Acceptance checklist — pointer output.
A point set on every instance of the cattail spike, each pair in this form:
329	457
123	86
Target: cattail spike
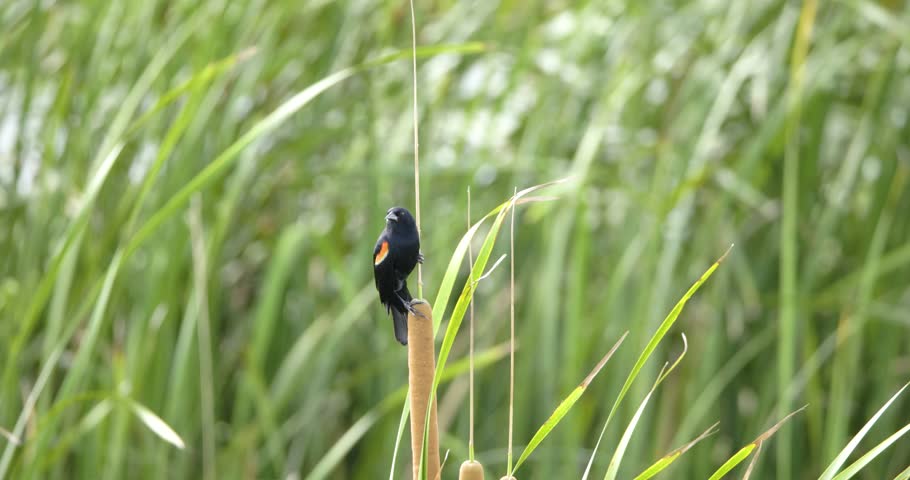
470	470
421	368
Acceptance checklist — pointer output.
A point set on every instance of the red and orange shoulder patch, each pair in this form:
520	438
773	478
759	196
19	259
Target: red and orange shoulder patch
382	253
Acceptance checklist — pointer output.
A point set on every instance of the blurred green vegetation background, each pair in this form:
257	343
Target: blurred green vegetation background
156	253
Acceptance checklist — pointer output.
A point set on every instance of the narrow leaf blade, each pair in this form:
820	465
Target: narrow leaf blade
841	458
158	426
563	408
858	465
649	349
671	457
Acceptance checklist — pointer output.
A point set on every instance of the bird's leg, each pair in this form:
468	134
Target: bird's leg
406	304
419	257
410	307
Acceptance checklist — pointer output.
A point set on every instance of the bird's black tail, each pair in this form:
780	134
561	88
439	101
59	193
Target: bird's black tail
400	320
400	316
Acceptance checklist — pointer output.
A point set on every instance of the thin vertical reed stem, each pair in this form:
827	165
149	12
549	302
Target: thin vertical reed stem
511	328
471	348
416	143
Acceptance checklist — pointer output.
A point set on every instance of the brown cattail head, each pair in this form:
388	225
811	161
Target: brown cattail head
470	471
421	368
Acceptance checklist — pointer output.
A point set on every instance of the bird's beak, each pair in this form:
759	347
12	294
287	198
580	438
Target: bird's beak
391	217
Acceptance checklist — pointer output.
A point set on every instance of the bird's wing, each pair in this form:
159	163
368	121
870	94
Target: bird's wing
380	251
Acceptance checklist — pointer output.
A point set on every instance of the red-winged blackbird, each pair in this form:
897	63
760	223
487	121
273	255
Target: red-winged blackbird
396	254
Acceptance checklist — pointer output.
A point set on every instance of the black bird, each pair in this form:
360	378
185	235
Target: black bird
396	254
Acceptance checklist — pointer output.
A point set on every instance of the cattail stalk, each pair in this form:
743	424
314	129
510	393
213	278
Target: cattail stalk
421	368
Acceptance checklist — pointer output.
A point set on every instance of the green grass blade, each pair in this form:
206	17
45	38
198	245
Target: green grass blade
470	284
451	273
157	426
563	408
613	469
92	420
789	240
720	379
402	424
744	452
200	79
343	445
174	133
844	454
649	349
903	475
732	462
267	312
858	465
27	409
80	367
671	457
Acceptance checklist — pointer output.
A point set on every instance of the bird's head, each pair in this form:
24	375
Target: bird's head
399	218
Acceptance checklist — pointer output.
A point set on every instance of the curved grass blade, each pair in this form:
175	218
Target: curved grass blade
858	465
744	452
903	475
443	466
841	458
649	349
563	408
733	461
344	444
477	272
720	379
402	424
613	469
451	273
671	457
